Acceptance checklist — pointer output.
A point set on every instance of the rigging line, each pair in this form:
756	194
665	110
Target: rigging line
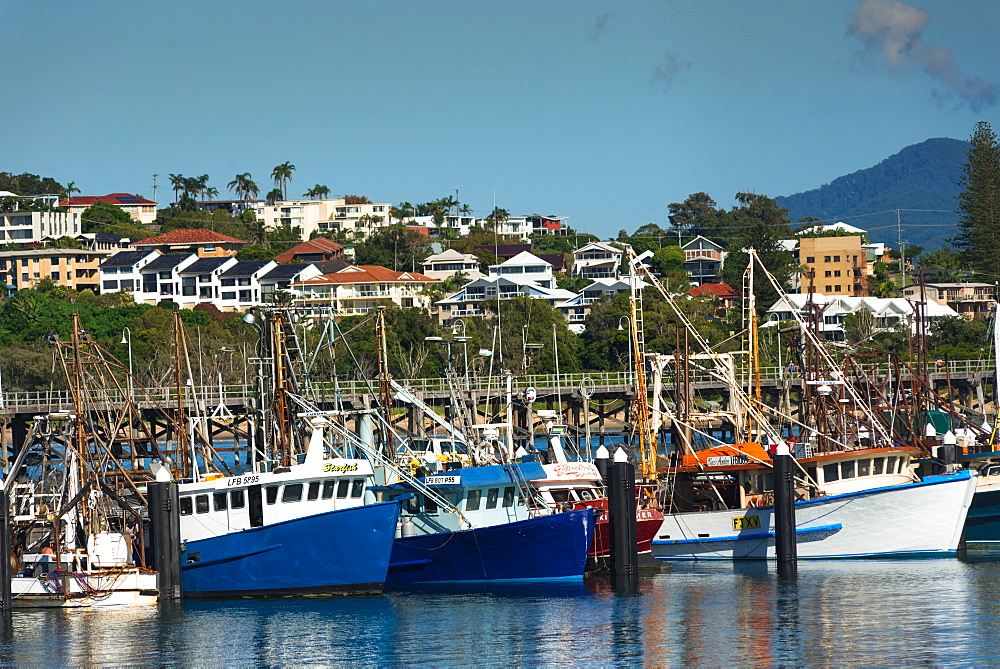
827	358
748	402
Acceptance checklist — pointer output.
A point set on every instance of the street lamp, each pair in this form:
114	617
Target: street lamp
465	349
127	339
443	342
628	377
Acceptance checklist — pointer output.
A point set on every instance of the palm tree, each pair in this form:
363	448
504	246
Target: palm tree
317	192
282	174
211	192
177	183
244	187
274	196
70	189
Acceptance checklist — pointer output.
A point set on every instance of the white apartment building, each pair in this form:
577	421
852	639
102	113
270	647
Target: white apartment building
359	289
525	226
449	263
597	260
325	216
23	227
526	267
120	272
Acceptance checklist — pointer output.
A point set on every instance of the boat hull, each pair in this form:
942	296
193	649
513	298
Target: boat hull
341	552
63	589
922	519
545	548
982	527
647	524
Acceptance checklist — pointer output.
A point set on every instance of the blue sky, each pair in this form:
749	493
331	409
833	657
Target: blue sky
603	112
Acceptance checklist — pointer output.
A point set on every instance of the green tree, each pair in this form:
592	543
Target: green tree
700	215
106	217
978	240
759	224
282	174
396	247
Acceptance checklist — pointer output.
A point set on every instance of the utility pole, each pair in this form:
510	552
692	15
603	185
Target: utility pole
154	186
902	252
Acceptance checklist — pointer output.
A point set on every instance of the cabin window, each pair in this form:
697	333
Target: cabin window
430	506
864	467
413	504
236	500
560	496
328	487
358	488
587	494
201	504
342	486
877	465
811	473
313	491
186	506
220	499
472	500
291	493
491	498
508	497
272	494
847	469
831	473
890	465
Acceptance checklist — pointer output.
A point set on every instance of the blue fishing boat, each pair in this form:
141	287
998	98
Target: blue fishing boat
478	524
308	528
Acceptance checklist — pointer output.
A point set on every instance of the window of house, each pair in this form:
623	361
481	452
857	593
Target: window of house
164	275
836	273
229	295
208	249
829	288
828	274
836	258
836	288
826	258
229	282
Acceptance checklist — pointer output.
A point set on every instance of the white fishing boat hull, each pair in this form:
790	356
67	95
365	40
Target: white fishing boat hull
922	519
61	589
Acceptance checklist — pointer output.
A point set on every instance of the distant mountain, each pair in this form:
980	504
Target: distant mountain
920	177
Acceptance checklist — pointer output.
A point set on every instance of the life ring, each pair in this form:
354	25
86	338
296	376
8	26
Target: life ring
754	501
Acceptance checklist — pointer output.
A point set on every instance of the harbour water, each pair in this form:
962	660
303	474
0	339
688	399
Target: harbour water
928	612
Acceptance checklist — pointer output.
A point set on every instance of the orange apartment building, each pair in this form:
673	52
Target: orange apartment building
73	268
839	265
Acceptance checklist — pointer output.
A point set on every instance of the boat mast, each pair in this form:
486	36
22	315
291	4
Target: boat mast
384	380
640	405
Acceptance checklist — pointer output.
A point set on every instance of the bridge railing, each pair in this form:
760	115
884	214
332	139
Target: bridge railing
212	396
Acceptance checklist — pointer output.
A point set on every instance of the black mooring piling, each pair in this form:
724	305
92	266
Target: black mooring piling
164	521
784	511
622	528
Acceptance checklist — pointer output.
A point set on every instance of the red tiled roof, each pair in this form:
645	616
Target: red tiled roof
717	289
369	274
317	245
188	236
112	198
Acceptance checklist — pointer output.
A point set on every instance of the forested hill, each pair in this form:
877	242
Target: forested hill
922	176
